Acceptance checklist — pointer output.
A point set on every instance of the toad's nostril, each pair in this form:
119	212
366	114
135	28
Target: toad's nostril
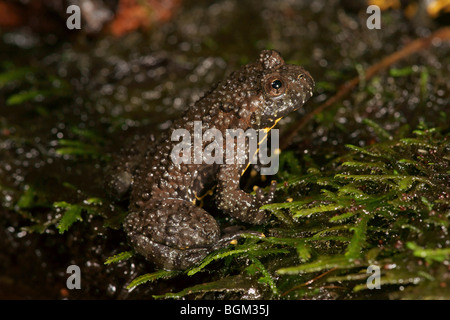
310	83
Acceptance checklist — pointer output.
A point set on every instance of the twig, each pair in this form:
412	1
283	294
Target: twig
309	282
442	34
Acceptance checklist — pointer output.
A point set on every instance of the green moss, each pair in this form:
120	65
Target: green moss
385	205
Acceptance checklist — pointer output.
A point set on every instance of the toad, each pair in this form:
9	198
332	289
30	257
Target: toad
164	223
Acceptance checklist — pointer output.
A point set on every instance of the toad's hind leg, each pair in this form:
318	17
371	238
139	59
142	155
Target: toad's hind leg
174	234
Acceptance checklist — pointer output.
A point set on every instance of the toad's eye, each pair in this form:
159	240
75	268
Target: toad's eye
275	86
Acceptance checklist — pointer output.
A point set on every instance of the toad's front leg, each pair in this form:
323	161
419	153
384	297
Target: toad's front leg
237	203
